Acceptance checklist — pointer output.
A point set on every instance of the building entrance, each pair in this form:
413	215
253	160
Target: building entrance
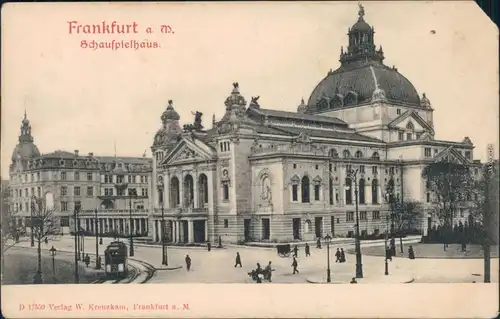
296	228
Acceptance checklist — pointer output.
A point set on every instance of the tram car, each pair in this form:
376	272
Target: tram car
115	260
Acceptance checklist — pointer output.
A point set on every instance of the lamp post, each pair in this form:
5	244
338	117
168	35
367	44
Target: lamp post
386	234
32	235
352	174
164	257
132	193
328	275
53	252
97	261
77	277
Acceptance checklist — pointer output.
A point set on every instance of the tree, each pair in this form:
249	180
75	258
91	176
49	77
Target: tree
449	182
44	225
404	214
7	226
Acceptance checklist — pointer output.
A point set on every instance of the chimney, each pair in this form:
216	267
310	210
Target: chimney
91	154
76	152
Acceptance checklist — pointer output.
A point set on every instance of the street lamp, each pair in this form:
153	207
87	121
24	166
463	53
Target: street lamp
31	221
327	240
352	174
97	261
53	252
164	259
385	246
77	277
132	193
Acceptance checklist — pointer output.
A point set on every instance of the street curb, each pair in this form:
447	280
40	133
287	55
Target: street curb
169	268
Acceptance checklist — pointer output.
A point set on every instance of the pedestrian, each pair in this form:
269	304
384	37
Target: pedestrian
46	240
258	274
411	252
337	256
238	260
388	253
353	280
295	265
188	262
295	251
86	260
269	271
308	250
318	243
342	255
209	246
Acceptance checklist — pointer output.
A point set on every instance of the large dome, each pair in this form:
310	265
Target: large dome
362	76
362	80
25	151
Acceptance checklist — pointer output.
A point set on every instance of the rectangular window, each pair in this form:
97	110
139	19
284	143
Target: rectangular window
417	136
77	176
145	179
132	192
317	166
78	205
64	206
64	191
294	165
467	155
26	192
89	176
349	216
90	191
120	179
376	215
427	152
374	169
401	136
120	192
38	177
63	176
108	192
144	192
225	192
398	111
226	223
362	216
362	168
32	191
295	193
428	197
77	191
130	178
409	136
108	179
391	170
316	192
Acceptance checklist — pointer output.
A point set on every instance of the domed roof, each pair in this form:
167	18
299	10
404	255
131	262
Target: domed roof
25	151
170	113
361	82
362	76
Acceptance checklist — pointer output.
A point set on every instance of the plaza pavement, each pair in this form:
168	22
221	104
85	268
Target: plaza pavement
217	266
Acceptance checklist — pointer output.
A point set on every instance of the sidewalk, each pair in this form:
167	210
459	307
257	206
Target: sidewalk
346	279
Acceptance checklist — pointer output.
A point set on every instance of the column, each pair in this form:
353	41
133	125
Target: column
190	231
206	230
196	190
166	190
174	231
140	226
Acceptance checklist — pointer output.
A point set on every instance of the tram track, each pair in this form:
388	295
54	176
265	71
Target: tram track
136	275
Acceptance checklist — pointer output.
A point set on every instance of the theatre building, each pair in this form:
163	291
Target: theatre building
262	174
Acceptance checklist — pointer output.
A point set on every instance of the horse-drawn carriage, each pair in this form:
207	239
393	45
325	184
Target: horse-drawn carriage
284	250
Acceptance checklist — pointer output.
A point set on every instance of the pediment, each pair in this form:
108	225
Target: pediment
189	150
450	155
411	118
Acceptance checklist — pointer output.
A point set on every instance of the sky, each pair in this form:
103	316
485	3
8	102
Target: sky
77	98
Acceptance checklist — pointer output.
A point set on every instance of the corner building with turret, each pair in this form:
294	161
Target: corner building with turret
260	174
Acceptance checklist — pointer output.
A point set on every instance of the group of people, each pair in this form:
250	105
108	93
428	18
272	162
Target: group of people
259	274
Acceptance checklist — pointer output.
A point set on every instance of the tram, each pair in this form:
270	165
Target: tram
115	260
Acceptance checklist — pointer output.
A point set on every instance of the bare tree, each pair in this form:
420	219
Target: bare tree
44	224
449	183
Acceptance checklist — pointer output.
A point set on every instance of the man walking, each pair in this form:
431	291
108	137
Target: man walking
337	256
342	255
295	265
318	243
188	262
295	251
238	260
308	250
269	271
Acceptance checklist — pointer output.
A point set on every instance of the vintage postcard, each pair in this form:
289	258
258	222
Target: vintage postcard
257	159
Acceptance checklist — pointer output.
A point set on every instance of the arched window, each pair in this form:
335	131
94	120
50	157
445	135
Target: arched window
295	188
376	156
174	192
410	126
188	190
358	154
317	188
346	154
330	190
333	153
305	189
361	186
374	191
348	191
202	190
